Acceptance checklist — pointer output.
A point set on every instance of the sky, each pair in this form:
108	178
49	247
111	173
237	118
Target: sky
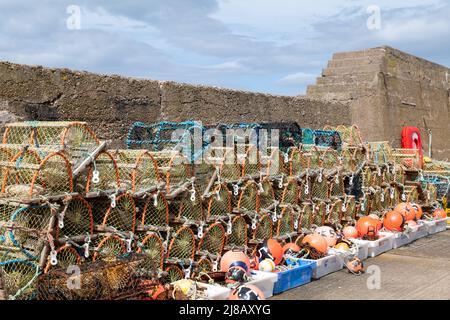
276	47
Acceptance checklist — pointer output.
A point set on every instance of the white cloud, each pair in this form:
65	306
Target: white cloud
297	79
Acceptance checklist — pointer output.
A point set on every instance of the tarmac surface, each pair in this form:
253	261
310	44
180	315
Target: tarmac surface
418	271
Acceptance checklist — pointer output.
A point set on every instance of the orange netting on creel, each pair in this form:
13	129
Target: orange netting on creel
266	194
137	169
252	162
407	158
306	216
26	175
412	193
329	158
349	205
66	256
335	215
108	247
77	220
274	163
285	223
313	153
174	167
204	265
299	162
249	198
191	207
123	216
204	172
152	247
320	188
231	167
348	161
319	213
103	174
219	202
156	211
263	228
174	273
337	187
399	174
213	240
350	136
367	178
182	244
238	236
291	192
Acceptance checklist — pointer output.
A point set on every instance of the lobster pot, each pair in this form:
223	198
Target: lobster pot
399	174
320	188
28	176
6	155
174	168
335	213
313	154
125	277
174	273
107	247
204	265
27	222
376	203
407	158
349	208
348	162
122	216
275	163
75	220
266	194
306	216
219	202
367	178
66	256
379	152
412	194
156	211
336	186
350	136
431	194
204	172
263	228
18	278
394	196
153	248
378	177
99	206
238	236
364	205
284	226
306	189
102	175
75	139
213	240
299	161
182	245
138	171
251	160
329	159
191	207
249	198
320	213
291	192
230	165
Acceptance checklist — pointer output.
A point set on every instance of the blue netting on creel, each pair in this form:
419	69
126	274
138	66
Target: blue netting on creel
322	138
442	183
167	135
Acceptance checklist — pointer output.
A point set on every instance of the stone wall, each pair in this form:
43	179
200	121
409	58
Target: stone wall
110	104
387	89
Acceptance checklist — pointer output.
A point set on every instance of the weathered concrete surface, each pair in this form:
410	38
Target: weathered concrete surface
110	104
417	271
388	89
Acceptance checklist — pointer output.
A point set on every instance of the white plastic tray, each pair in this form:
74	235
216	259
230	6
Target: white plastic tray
327	265
435	226
400	239
216	292
264	281
420	232
377	247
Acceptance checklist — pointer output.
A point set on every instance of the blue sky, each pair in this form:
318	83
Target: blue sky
276	47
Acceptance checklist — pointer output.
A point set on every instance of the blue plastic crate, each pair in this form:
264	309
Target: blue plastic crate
294	277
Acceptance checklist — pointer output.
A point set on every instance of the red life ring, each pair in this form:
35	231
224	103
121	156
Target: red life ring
411	139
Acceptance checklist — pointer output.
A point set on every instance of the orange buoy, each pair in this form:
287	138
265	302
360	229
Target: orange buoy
406	210
247	292
439	214
316	241
270	249
367	226
350	232
418	209
234	258
393	221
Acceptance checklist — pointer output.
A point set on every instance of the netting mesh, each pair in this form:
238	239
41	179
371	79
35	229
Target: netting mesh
329	159
174	273
335	215
204	265
182	244
238	236
213	240
18	277
399	174
349	208
66	256
299	162
231	167
103	174
285	223
152	247
263	228
291	192
320	189
249	197
348	162
173	167
219	203
379	152
408	158
319	214
156	211
266	194
191	207
137	169
77	220
306	217
252	162
337	187
108	247
122	217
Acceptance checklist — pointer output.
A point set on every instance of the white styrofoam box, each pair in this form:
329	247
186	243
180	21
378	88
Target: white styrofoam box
435	226
400	238
264	281
420	231
363	250
215	292
377	247
327	265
